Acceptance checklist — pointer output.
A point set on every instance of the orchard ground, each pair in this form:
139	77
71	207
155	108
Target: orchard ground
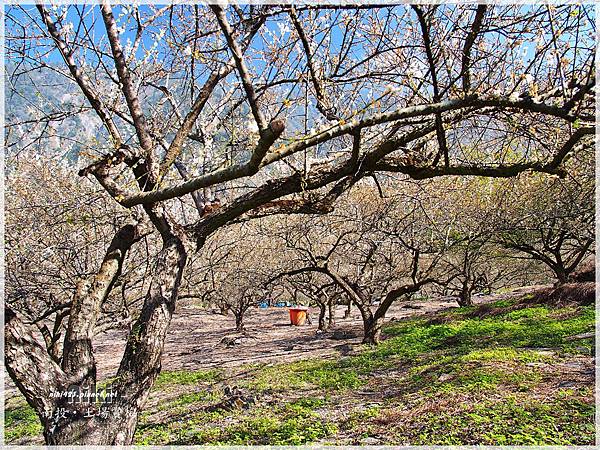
507	371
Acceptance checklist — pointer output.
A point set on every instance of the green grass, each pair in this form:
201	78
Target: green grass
505	354
507	422
465	356
459	381
185	401
327	375
21	421
535	327
292	423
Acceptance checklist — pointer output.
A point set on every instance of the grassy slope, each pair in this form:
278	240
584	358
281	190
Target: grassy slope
460	379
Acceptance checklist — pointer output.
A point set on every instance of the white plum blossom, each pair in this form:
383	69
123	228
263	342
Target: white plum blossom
251	126
415	73
66	29
283	28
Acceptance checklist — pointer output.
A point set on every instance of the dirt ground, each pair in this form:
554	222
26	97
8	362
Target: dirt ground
198	339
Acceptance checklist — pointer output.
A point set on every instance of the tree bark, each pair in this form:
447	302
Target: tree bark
239	321
141	360
464	297
77	358
114	423
29	365
331	319
38	376
562	276
373	322
372	329
322	312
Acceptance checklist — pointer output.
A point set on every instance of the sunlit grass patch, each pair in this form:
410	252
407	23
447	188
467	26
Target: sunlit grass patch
524	328
334	375
187	400
505	354
292	423
504	421
21	421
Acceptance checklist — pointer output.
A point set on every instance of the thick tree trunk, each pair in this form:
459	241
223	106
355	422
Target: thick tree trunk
371	324
372	329
29	365
562	276
239	321
44	383
464	297
322	312
331	319
141	360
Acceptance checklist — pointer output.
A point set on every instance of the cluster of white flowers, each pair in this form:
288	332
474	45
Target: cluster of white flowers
157	38
128	46
66	29
251	125
284	28
391	89
414	72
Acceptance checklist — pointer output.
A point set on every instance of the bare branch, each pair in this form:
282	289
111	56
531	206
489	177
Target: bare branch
131	97
439	125
185	129
322	106
241	66
80	79
469	41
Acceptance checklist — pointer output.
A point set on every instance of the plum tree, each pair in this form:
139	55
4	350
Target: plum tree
269	110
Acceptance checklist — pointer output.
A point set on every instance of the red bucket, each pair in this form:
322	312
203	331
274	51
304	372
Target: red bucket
298	315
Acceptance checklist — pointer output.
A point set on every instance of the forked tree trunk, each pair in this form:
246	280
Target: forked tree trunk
39	378
140	364
371	324
372	329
